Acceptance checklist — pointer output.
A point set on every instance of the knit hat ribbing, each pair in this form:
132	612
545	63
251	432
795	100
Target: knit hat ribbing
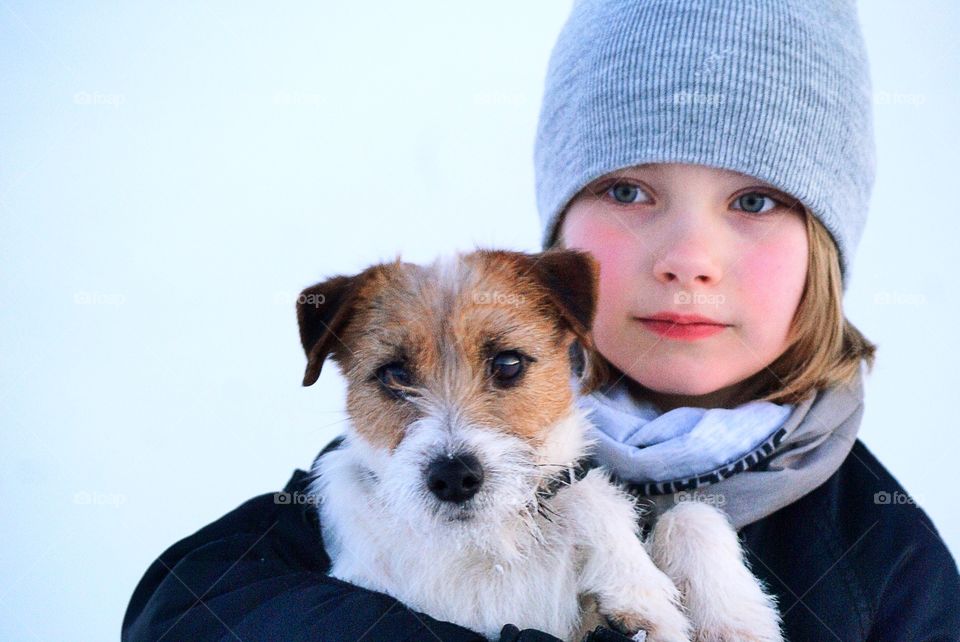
775	89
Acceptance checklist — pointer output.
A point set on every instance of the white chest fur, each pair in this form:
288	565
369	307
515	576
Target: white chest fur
508	575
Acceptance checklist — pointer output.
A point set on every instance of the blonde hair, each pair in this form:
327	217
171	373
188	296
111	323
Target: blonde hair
824	348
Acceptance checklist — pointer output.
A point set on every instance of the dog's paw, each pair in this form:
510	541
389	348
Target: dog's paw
750	620
699	549
734	635
652	609
663	624
743	612
740	612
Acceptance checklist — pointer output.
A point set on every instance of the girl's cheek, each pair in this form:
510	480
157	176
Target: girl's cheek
602	236
616	251
593	230
771	276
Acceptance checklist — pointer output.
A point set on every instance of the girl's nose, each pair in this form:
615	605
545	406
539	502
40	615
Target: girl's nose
689	255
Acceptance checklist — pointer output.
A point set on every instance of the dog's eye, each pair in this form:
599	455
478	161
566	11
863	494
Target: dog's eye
393	376
506	367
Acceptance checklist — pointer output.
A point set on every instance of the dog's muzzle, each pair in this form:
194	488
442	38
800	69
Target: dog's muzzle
454	478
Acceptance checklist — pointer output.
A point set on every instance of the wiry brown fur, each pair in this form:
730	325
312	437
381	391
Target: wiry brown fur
447	327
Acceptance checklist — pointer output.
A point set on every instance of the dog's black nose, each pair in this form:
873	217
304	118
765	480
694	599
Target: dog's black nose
455	479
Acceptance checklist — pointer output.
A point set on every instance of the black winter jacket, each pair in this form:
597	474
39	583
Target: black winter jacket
844	563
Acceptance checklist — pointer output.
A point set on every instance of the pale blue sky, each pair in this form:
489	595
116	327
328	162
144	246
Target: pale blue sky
172	175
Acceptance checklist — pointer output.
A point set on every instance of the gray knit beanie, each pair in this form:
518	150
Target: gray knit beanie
775	89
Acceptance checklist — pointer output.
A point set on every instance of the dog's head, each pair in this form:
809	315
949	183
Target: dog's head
458	374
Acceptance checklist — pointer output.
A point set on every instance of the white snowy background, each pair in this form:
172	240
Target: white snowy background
172	174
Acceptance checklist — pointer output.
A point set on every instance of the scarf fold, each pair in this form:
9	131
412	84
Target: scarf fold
749	461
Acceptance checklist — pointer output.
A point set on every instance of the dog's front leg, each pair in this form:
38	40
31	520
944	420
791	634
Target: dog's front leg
629	589
697	547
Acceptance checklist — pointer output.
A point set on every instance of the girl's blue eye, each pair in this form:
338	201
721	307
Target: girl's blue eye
626	193
755	203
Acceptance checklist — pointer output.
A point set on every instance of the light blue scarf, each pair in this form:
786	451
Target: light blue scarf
755	458
640	445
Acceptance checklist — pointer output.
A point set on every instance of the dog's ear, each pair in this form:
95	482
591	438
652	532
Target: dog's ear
323	311
571	279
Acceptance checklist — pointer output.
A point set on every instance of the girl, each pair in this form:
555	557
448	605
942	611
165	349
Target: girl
717	159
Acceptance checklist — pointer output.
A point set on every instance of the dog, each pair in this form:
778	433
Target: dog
463	486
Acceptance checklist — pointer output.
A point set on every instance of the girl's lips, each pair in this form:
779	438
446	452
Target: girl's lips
674	329
680	318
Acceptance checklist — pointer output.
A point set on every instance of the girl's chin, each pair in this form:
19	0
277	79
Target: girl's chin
666	379
682	389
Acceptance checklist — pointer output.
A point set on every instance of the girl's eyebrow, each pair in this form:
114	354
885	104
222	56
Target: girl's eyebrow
637	169
620	173
654	173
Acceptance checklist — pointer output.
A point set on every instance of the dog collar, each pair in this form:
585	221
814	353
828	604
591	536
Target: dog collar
573	473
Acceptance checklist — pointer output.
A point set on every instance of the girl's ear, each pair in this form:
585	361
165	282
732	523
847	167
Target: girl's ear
323	312
571	280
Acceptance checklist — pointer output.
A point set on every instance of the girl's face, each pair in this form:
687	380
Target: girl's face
676	239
